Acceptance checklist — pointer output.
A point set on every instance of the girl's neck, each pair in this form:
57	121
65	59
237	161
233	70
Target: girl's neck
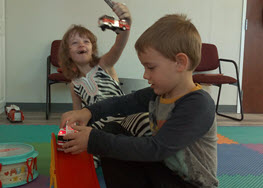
84	69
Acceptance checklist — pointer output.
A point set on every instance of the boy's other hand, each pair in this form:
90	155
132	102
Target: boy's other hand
75	117
78	141
122	11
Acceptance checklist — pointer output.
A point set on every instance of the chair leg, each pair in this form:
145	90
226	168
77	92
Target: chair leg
47	100
240	101
218	98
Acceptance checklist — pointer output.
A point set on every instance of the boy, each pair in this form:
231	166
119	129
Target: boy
182	151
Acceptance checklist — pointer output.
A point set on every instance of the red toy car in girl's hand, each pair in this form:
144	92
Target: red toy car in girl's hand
108	22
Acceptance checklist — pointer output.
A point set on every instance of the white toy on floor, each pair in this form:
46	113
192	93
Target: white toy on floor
14	114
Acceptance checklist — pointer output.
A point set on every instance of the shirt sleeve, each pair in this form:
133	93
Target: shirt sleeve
123	105
192	117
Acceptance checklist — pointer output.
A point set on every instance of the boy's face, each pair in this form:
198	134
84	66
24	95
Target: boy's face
80	49
160	72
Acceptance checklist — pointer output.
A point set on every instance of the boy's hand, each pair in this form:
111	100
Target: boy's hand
78	141
122	11
80	117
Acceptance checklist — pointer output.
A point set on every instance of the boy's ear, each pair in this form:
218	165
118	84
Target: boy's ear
182	61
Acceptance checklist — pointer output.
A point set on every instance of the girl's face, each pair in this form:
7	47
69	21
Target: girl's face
80	49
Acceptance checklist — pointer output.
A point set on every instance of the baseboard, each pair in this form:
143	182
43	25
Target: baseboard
227	108
41	107
64	107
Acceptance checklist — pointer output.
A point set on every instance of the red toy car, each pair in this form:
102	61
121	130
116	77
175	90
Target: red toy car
14	114
62	132
109	22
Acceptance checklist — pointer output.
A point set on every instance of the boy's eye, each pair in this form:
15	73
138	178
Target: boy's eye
87	41
151	67
74	42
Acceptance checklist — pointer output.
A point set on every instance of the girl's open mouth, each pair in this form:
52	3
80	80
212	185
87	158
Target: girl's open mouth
82	52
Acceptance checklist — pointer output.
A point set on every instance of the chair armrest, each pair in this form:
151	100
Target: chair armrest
230	61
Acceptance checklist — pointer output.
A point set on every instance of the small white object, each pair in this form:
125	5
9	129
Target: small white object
11	107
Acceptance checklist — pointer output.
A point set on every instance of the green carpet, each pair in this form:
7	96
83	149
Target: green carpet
39	136
243	134
239	165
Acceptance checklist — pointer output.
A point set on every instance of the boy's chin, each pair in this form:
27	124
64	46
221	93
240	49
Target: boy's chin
158	92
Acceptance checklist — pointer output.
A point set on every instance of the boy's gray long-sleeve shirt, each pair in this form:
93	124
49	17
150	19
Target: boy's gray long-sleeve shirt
189	127
182	129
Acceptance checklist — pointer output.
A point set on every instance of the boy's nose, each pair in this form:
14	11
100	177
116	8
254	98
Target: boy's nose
145	75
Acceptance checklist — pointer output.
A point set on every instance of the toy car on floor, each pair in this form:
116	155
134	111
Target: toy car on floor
14	114
109	22
62	132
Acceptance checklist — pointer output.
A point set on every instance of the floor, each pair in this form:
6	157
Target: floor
38	118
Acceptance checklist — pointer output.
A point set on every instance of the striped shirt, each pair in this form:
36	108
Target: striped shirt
99	85
96	86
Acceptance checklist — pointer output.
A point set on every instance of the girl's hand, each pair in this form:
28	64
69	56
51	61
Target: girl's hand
122	11
75	117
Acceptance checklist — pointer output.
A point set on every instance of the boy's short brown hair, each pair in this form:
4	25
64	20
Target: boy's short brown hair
69	68
170	35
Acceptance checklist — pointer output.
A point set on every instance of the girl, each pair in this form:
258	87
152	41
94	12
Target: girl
95	79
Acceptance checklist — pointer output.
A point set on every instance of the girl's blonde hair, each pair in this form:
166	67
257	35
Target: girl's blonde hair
69	68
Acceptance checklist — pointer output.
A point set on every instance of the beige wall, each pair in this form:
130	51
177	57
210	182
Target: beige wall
2	55
31	25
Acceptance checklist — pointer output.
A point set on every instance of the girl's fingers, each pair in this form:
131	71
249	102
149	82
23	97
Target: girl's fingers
78	128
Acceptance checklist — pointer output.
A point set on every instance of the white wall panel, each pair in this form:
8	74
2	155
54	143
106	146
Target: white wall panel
33	24
2	55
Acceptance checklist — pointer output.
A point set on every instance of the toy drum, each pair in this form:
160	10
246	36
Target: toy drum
18	164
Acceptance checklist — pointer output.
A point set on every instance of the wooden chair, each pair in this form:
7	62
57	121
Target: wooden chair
209	62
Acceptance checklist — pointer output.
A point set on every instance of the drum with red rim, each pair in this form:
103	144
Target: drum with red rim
18	164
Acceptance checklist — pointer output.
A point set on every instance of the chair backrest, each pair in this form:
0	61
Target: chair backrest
130	85
54	52
209	58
